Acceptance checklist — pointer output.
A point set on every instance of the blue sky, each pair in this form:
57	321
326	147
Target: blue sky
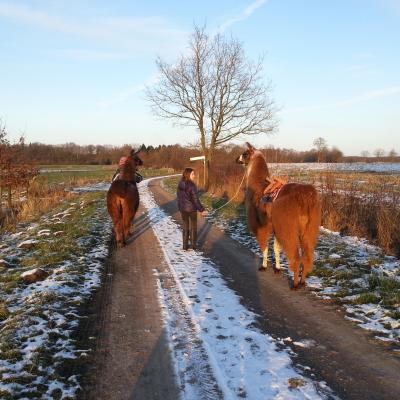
74	71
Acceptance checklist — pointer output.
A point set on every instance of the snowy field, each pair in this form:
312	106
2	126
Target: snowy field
39	324
390	168
213	336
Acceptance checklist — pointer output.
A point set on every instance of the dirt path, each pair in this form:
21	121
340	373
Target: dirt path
133	359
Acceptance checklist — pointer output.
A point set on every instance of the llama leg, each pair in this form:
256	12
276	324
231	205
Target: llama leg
294	264
114	211
277	252
126	219
119	235
265	257
307	261
262	236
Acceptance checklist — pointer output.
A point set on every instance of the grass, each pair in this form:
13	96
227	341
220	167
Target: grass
394	314
69	176
3	310
50	252
73	175
366	298
170	184
388	289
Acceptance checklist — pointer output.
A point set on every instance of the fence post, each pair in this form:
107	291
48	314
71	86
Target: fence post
9	197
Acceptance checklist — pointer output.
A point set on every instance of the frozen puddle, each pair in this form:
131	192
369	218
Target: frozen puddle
216	350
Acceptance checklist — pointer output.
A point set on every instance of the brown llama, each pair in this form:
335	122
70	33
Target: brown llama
294	217
123	199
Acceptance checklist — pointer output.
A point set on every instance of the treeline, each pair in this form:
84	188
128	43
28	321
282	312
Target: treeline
160	156
173	156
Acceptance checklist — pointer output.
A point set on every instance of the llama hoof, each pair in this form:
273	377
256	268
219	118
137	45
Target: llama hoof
262	269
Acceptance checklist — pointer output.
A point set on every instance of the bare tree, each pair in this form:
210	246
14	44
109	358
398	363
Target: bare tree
392	155
215	89
321	145
3	134
379	153
365	153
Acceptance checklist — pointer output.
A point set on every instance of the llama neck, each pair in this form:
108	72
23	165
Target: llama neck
256	173
128	171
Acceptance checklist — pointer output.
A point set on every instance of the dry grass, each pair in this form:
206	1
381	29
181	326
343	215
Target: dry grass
41	199
371	211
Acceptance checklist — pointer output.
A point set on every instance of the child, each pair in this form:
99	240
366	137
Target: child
121	165
189	204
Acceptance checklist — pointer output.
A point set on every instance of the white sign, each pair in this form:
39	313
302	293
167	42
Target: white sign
197	158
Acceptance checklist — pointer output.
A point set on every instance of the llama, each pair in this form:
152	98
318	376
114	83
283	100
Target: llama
294	217
123	199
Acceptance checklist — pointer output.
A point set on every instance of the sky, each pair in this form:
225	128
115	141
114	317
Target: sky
75	70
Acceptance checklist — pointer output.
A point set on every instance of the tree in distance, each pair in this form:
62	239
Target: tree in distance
214	88
322	147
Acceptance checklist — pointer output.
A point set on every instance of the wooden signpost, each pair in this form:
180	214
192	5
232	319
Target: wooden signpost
204	166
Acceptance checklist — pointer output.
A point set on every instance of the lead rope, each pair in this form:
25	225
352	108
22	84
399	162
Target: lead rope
232	198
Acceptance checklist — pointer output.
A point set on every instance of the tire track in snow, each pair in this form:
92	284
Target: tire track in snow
216	350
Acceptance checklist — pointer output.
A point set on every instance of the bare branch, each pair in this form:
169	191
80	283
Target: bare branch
214	88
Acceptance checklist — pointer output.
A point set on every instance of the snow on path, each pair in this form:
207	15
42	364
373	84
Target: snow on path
216	350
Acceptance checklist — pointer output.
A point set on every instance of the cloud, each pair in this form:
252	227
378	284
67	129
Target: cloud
372	95
94	55
246	13
148	33
356	68
121	96
126	93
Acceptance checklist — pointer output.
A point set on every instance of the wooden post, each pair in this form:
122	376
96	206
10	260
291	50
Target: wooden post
9	197
204	167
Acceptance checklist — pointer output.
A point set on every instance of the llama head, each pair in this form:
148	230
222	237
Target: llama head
137	161
245	157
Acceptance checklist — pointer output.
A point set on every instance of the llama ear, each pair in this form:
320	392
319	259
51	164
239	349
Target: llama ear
250	147
133	152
